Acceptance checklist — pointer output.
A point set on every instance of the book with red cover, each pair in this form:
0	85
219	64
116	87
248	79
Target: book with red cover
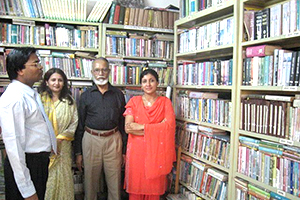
261	50
117	14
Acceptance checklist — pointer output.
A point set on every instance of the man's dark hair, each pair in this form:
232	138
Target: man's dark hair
148	71
65	92
16	59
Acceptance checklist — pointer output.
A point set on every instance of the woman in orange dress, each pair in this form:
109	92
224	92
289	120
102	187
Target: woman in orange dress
150	123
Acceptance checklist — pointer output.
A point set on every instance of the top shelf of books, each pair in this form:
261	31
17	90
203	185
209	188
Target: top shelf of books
205	15
31	20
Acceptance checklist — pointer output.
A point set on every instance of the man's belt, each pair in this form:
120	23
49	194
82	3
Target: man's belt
101	133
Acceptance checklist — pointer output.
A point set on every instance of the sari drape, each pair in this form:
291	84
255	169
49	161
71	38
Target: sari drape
64	119
149	158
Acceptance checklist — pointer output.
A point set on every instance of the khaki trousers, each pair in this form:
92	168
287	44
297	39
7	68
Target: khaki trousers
102	153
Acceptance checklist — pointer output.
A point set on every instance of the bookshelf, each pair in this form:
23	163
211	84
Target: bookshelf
286	39
201	48
59	43
131	48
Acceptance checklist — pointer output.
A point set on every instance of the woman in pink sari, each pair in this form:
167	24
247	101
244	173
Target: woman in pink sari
150	123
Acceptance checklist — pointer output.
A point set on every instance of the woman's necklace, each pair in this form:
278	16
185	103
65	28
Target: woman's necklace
149	103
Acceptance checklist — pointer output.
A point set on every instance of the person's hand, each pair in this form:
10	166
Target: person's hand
59	141
79	162
124	160
136	126
33	197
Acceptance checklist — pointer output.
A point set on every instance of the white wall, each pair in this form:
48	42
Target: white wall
154	3
161	3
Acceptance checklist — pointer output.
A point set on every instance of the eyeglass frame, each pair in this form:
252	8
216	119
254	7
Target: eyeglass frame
104	71
38	64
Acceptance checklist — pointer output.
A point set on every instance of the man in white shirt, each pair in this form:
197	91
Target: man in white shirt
27	134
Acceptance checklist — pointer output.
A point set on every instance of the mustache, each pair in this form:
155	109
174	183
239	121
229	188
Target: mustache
98	77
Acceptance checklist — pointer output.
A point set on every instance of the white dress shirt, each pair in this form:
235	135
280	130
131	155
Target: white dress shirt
24	130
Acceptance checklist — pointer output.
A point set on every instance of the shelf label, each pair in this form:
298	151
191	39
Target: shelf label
282	141
290	142
285	141
296	33
23	22
280	192
290	88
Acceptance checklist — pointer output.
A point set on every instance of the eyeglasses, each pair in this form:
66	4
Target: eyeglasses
34	64
106	70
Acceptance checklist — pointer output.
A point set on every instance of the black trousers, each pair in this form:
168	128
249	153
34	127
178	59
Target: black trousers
37	164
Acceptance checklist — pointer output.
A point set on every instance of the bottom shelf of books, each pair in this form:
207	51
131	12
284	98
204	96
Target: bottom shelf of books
268	164
204	162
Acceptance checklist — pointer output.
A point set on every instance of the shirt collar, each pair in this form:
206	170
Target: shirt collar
95	88
23	87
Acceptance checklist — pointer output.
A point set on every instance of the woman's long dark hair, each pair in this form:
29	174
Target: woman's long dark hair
65	92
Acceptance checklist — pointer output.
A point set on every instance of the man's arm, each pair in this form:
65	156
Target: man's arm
79	132
80	127
121	125
13	133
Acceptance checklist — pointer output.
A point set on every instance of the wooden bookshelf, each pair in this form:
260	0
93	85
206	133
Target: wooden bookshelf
203	54
30	23
229	9
270	138
286	41
43	20
55	48
255	182
206	161
121	57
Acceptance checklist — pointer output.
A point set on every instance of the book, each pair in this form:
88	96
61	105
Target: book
126	16
204	95
265	23
112	12
122	15
116	14
132	16
258	25
261	50
249	24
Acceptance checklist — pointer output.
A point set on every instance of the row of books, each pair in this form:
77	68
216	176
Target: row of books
217	72
156	18
189	7
73	67
210	35
205	143
270	163
204	179
273	66
76	92
205	107
158	46
129	73
75	10
59	35
271	115
2	64
279	19
247	191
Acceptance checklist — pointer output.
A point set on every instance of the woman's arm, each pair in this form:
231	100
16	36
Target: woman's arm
133	128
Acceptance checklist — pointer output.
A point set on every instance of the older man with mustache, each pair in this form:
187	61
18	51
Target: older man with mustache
99	135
